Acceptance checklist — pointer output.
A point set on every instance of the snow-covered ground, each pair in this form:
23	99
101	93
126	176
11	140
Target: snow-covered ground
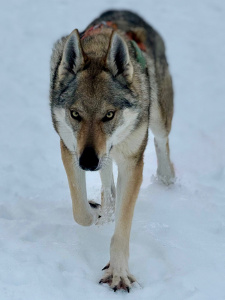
178	233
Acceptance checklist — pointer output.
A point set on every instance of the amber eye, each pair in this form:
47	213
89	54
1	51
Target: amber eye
75	115
109	116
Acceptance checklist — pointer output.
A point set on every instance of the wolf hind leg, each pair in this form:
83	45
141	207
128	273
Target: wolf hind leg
165	170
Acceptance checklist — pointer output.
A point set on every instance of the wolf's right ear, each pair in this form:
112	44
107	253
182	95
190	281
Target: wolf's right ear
118	58
73	57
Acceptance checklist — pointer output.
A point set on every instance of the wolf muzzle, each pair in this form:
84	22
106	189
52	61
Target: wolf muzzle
89	160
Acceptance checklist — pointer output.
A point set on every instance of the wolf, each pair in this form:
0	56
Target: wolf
108	85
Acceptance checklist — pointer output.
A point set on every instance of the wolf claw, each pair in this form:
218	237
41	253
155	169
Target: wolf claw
106	267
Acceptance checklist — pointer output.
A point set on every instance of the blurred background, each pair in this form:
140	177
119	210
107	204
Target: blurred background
179	231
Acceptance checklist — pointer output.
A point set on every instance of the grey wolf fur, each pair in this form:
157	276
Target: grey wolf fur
103	100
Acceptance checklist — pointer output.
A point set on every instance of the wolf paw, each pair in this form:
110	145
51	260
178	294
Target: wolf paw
167	180
117	280
166	176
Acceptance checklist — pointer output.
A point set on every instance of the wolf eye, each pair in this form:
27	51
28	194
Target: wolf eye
75	115
109	116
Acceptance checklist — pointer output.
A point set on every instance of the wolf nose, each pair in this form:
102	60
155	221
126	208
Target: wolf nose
89	160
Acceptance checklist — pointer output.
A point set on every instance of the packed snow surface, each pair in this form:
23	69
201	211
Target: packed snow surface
177	247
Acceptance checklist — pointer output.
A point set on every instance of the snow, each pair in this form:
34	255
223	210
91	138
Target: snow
177	247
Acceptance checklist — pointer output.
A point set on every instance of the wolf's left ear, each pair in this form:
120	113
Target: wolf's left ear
73	57
118	58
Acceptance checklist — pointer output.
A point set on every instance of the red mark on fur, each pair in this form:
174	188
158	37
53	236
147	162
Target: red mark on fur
96	29
132	36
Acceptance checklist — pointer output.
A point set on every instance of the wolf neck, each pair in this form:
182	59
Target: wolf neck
96	29
95	42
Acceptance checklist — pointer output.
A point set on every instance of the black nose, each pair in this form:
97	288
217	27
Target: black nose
89	160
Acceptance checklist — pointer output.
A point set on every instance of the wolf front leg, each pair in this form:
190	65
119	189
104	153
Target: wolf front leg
117	273
82	212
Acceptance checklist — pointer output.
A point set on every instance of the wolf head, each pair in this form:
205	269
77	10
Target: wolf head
94	102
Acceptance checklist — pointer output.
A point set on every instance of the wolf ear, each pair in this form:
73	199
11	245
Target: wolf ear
73	57
118	59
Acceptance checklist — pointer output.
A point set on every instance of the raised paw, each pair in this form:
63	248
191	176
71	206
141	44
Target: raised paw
117	280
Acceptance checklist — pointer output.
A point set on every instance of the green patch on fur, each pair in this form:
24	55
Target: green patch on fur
139	55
